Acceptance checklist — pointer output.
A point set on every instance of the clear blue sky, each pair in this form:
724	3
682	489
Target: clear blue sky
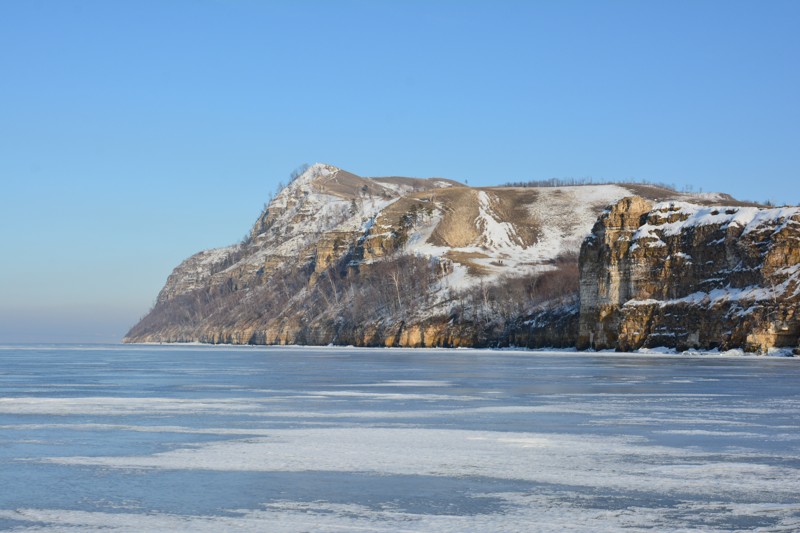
135	133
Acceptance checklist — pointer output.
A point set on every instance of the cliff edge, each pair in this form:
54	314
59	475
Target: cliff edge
687	276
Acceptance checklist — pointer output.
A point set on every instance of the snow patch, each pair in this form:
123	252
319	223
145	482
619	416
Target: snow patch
571	459
496	234
691	215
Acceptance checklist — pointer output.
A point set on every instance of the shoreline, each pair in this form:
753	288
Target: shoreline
782	353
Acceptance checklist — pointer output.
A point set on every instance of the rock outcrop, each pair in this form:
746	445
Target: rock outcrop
687	276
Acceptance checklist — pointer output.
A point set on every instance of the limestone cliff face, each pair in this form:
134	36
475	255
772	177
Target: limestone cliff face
686	276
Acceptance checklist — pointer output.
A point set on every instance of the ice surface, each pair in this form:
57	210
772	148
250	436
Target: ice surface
328	439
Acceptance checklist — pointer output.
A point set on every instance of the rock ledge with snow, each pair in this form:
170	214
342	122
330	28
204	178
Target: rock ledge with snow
687	276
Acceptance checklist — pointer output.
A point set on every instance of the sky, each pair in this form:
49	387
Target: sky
135	133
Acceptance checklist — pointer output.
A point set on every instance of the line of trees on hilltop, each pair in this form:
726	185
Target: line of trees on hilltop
572	182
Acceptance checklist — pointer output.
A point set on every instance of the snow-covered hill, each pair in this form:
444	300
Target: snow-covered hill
336	257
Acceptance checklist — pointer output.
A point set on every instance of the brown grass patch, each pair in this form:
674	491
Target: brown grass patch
465	258
390	217
346	185
457	228
418	184
661	194
512	206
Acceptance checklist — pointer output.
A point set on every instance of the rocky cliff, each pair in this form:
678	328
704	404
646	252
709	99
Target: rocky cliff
339	258
686	276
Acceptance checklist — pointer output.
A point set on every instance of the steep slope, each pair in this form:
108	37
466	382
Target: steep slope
337	258
687	276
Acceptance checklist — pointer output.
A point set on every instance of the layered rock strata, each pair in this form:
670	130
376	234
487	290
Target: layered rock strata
687	276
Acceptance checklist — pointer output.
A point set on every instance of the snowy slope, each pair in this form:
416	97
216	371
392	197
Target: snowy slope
503	231
562	217
489	232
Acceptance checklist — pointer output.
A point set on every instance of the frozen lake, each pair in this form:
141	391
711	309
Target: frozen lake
196	438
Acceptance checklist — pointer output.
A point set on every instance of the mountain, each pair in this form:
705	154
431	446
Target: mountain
338	258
